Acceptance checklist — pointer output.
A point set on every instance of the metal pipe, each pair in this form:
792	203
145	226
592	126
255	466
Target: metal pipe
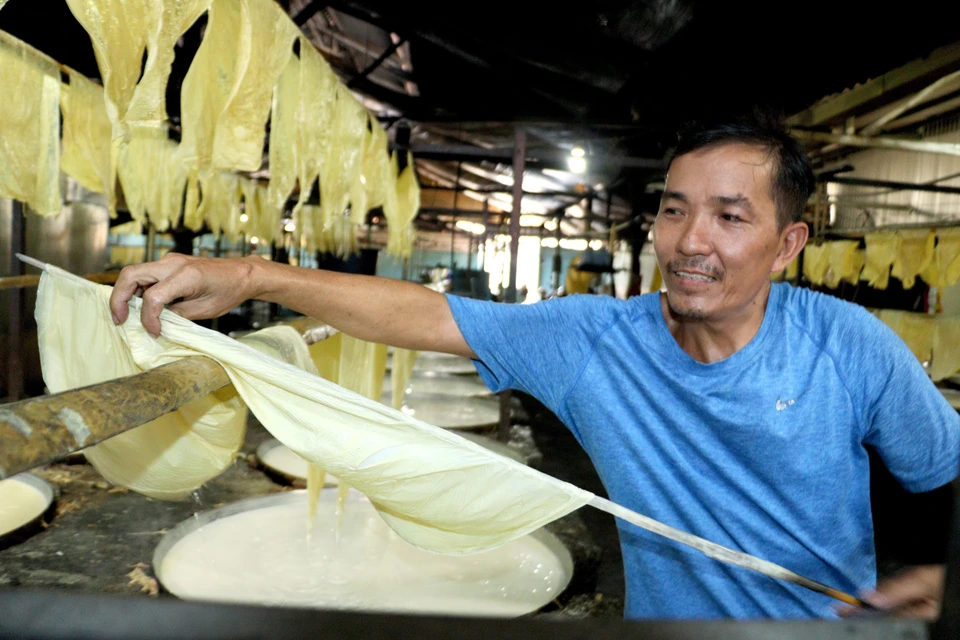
947	626
24	282
482	260
151	247
14	328
453	239
36	431
519	164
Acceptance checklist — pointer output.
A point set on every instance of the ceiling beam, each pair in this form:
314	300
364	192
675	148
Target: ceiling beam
889	184
308	11
916	99
891	85
504	155
920	146
375	64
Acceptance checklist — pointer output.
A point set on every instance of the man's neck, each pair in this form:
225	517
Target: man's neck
715	339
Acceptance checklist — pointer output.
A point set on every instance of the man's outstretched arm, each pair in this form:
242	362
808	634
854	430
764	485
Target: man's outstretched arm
393	312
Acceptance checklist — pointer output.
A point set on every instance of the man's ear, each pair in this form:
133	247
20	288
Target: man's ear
792	241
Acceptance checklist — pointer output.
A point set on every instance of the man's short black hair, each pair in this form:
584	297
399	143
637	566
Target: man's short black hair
793	182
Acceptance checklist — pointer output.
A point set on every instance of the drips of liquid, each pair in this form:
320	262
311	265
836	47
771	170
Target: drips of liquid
19	504
264	557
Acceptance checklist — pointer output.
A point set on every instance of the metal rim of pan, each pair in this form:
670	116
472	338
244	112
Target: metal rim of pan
39	522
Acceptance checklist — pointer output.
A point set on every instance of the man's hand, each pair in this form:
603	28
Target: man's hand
195	288
913	593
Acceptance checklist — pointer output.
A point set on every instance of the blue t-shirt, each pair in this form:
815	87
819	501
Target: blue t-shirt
762	452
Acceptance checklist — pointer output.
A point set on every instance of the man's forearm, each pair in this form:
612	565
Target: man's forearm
382	310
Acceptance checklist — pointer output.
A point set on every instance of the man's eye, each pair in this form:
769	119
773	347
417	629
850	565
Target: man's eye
671	212
732	217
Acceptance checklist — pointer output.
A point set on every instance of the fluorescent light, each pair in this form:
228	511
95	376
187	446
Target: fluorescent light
550	225
243	218
576	164
549	243
577	152
574	244
470	227
596	244
254	239
528	220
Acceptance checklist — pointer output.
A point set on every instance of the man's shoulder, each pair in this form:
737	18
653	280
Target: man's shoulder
846	331
823	316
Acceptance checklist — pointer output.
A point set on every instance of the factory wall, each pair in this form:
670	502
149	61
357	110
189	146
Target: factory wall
392	267
75	239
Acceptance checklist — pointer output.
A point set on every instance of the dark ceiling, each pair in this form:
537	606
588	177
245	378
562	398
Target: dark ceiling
626	72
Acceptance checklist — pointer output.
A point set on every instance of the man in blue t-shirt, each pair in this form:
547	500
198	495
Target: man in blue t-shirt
728	407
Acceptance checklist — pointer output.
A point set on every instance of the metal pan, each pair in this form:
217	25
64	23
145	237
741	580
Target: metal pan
450	412
413	580
433	363
283	466
34	521
460	386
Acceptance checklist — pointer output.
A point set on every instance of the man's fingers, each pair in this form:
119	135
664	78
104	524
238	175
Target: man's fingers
158	296
917	584
134	279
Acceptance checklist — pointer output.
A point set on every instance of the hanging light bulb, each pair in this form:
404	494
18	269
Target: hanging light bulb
290	227
254	239
243	218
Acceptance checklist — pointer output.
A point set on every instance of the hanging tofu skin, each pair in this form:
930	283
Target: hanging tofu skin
120	32
283	123
376	165
915	254
213	78
845	262
948	256
435	489
363	366
29	127
339	237
304	218
915	329
267	44
401	235
342	165
816	261
946	348
220	207
87	138
391	204
359	196
148	104
314	117
152	176
326	357
881	252
400	374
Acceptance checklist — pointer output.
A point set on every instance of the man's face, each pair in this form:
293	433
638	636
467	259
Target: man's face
716	235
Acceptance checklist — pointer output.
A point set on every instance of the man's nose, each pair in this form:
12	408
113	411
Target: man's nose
695	237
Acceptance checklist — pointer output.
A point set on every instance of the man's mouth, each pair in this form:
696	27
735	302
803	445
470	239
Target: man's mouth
702	277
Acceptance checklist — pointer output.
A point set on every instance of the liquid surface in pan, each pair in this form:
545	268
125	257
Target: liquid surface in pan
264	556
20	503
